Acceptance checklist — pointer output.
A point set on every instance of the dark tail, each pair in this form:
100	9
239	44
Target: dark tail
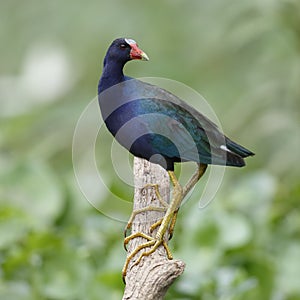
234	160
238	149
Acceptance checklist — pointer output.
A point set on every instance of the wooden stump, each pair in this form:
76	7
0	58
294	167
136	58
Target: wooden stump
151	278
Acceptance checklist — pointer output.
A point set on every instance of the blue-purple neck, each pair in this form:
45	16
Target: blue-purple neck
112	74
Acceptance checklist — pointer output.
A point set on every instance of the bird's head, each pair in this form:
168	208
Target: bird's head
122	50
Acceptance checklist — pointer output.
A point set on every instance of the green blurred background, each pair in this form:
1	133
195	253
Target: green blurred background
242	56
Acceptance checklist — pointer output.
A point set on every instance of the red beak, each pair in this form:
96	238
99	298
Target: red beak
137	53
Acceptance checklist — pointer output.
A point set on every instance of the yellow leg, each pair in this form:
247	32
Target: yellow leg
189	185
155	225
155	242
167	223
136	212
136	250
148	208
173	222
201	168
151	242
194	179
174	204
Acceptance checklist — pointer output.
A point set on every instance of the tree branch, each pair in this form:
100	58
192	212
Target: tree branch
151	278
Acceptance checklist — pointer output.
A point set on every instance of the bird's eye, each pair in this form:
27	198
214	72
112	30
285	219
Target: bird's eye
123	46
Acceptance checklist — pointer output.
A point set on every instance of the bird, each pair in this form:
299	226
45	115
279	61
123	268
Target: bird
156	125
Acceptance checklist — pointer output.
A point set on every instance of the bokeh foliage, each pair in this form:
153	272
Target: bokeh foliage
243	56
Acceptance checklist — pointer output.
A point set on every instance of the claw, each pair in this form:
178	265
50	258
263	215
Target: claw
172	224
166	224
141	210
155	225
145	209
154	243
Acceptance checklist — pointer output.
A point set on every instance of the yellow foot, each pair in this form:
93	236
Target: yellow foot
163	208
138	211
171	226
152	242
166	224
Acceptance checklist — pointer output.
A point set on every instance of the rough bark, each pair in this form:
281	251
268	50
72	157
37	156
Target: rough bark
151	278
